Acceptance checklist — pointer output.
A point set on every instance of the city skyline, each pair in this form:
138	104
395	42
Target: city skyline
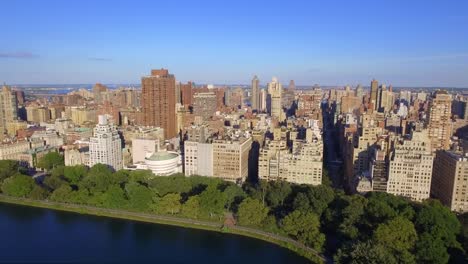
404	44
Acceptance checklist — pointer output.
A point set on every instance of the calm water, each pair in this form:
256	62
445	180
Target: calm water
34	235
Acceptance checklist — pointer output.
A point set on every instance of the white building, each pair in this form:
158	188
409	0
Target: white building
141	147
105	146
162	163
410	168
198	158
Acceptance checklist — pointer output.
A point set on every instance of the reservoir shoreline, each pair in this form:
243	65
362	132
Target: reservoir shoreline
284	242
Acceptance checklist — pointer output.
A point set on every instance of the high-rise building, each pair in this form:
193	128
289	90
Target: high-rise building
204	104
359	92
255	93
275	91
105	147
8	108
439	122
450	180
263	100
374	93
302	165
231	158
159	101
186	91
410	167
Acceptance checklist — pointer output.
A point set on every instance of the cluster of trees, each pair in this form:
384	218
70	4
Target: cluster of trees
376	228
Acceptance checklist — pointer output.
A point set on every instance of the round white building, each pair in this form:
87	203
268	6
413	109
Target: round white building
163	162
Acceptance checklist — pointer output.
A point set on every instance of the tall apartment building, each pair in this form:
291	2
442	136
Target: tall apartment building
159	101
410	167
231	158
8	107
439	122
302	164
186	91
275	91
204	104
255	93
105	146
263	100
450	180
374	93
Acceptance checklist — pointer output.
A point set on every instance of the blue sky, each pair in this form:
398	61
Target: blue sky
404	43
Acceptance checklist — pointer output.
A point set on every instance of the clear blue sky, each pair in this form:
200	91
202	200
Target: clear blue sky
409	43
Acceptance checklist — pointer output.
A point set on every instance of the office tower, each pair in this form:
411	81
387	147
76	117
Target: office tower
105	147
158	101
450	180
204	104
98	89
410	167
359	92
263	100
292	86
255	93
186	94
8	108
374	93
231	158
439	123
275	92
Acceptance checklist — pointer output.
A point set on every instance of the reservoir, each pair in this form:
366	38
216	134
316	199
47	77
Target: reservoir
36	235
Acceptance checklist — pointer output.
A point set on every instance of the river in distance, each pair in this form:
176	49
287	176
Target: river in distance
36	235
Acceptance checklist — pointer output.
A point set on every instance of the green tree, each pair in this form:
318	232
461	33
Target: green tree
234	195
212	201
350	216
320	197
50	160
38	193
62	194
301	202
53	182
439	222
114	198
278	191
74	174
365	253
169	204
98	179
8	168
18	185
305	227
139	196
251	212
191	208
431	250
399	235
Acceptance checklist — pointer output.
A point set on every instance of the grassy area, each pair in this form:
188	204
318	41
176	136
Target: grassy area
130	216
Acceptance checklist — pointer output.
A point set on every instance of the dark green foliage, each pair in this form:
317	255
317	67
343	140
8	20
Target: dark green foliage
305	227
50	160
18	185
38	193
8	168
277	193
212	201
376	228
251	212
139	196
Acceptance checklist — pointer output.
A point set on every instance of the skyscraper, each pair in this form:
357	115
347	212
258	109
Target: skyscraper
374	93
105	147
255	93
275	91
159	101
8	108
359	92
439	123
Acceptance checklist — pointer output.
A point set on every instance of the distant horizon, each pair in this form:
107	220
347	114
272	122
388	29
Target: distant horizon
45	85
